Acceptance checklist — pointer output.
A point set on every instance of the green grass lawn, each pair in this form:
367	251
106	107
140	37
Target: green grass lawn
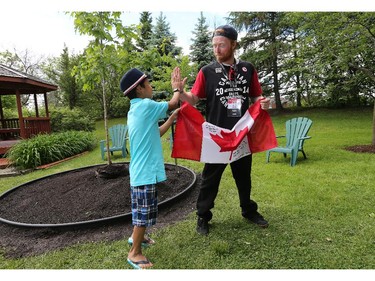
321	211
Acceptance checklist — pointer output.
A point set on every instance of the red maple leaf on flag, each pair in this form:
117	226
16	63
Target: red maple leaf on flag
229	141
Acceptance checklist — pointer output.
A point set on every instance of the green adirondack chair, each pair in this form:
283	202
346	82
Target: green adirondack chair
296	134
118	137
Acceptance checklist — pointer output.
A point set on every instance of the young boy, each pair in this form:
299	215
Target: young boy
146	166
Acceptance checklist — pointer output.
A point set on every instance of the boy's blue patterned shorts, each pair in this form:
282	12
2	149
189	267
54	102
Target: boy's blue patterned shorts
144	205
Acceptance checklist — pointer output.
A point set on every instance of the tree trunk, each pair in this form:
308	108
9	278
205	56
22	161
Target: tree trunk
373	125
299	90
276	85
275	69
106	124
298	83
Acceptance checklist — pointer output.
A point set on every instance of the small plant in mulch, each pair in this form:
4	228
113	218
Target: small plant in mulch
112	171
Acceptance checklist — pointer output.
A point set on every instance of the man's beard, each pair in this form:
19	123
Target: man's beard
224	58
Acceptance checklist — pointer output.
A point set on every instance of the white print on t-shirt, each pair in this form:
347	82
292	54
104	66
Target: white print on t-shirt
229	90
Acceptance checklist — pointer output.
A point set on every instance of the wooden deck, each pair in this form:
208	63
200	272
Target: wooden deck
4	163
5	145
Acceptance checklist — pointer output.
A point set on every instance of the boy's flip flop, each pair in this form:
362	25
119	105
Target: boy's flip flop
145	243
135	264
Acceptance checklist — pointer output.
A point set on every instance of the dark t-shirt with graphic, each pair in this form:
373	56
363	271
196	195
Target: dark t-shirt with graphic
227	90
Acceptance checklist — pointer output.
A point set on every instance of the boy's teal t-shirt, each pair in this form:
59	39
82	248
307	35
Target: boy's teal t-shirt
147	162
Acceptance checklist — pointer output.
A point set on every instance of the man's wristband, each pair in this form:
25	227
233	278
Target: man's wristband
176	90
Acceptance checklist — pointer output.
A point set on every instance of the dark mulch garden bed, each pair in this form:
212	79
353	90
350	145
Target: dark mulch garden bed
83	195
362	148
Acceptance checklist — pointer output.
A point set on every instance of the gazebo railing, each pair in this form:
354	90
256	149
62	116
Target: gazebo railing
37	125
10	129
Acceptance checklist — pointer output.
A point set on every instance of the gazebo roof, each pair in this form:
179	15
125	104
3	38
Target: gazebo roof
12	80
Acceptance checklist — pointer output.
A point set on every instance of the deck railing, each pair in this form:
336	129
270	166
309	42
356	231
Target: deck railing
10	129
37	125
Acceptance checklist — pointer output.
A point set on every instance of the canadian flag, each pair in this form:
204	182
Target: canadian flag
198	140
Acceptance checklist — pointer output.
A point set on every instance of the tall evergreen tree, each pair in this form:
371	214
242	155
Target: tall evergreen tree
163	39
265	33
60	71
67	81
201	48
145	30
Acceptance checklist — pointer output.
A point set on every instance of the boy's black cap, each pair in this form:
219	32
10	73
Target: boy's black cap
131	79
226	31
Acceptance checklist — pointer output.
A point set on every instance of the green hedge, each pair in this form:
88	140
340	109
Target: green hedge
64	119
44	149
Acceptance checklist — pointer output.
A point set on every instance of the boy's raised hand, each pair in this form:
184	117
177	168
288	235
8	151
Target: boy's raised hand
176	79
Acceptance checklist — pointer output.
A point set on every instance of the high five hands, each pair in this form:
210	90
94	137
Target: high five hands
176	81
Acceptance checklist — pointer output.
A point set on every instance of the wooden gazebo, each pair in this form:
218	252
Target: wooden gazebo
14	82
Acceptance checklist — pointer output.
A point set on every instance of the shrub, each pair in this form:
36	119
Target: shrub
44	149
119	107
64	119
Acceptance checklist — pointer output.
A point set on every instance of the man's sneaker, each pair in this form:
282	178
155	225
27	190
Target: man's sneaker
202	226
257	219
